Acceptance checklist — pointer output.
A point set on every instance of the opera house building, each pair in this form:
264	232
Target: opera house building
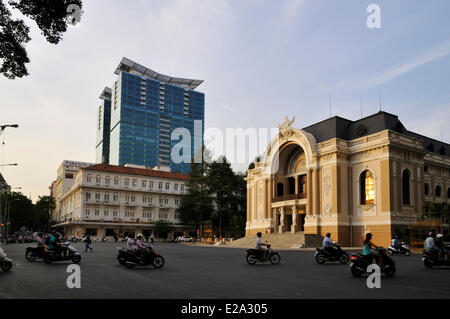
347	178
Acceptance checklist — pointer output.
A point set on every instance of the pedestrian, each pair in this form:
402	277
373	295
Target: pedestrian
152	239
88	242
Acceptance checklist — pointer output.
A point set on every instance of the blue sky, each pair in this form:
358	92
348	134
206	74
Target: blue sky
260	60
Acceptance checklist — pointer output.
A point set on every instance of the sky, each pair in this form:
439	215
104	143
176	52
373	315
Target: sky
260	60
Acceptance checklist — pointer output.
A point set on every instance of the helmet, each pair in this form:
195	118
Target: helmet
139	236
259	234
439	236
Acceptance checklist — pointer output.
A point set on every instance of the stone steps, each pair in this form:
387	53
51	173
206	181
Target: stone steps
285	240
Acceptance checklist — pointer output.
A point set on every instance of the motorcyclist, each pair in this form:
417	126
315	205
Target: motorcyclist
429	244
130	242
141	248
395	243
58	247
52	241
328	245
367	251
260	246
40	242
440	244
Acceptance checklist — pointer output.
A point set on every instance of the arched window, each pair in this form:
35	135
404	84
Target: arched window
405	187
438	191
427	189
291	185
367	188
280	189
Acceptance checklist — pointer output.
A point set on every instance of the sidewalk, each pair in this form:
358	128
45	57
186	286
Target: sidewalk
274	247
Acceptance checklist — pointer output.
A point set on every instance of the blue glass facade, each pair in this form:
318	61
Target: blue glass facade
144	113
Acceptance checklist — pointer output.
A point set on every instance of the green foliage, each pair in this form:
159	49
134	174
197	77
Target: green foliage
436	211
52	18
163	228
23	213
217	193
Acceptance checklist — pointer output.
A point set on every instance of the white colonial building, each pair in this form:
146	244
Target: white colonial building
106	199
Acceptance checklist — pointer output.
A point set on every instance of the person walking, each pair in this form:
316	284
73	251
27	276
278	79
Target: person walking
88	242
152	238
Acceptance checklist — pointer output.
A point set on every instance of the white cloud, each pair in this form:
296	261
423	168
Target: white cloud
393	72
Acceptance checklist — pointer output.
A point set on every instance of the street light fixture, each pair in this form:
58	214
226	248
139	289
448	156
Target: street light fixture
2	127
14	164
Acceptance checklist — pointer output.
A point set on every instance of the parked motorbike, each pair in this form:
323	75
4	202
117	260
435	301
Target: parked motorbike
5	262
322	255
131	258
255	255
403	249
33	253
431	260
11	240
67	252
359	263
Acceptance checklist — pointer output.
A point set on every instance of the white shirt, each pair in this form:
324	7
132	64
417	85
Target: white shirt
258	242
130	243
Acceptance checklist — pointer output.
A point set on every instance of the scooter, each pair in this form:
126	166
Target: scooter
256	255
431	260
33	253
322	255
359	263
131	258
67	252
403	249
5	262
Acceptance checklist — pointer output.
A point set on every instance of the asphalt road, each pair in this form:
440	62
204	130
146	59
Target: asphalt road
213	272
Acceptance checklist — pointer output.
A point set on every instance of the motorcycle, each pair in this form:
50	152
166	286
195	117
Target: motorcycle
131	258
256	255
11	240
67	252
322	255
431	259
33	253
359	263
5	262
403	249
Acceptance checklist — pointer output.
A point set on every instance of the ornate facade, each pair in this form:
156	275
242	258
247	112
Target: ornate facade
348	178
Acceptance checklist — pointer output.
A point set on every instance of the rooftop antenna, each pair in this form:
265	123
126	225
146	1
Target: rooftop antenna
380	101
361	104
330	103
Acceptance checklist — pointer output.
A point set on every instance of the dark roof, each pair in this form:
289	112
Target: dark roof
137	171
338	127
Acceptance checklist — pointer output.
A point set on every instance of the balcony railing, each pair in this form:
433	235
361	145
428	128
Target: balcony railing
289	197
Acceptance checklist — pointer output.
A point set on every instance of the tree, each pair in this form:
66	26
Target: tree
21	212
163	228
44	206
196	205
51	16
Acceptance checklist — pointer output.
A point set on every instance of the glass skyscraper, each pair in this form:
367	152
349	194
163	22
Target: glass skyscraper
103	127
145	108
